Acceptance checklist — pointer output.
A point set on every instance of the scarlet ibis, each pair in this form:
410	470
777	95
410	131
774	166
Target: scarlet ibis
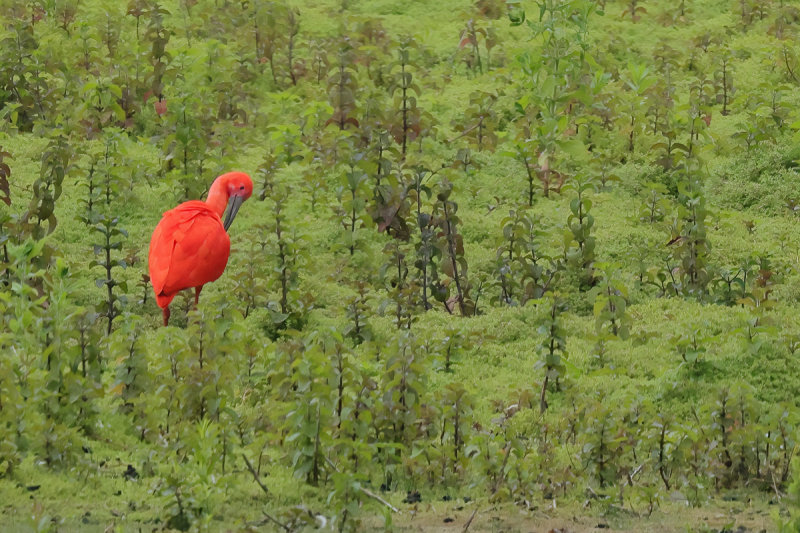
190	245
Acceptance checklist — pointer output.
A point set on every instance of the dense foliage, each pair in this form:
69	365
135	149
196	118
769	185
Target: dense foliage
524	252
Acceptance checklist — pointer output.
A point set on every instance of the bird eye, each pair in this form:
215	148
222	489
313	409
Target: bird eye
241	188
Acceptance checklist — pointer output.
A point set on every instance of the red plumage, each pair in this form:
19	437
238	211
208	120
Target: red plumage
190	246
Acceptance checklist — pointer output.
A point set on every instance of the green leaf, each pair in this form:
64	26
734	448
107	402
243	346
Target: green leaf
115	90
573	147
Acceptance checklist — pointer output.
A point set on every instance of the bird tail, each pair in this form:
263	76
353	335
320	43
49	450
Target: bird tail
163	300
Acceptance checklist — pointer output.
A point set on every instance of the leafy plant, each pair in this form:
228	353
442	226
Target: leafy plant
401	386
454	341
402	290
470	36
158	36
290	257
24	84
309	421
634	10
457	405
553	348
517	227
639	80
521	273
248	286
185	146
657	204
352	194
389	205
357	311
57	164
760	125
523	151
479	121
133	379
198	482
610	304
723	78
5	173
602	447
453	263
428	254
665	442
578	238
692	346
111	238
407	123
342	89
690	243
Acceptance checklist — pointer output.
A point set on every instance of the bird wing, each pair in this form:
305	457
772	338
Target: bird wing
189	248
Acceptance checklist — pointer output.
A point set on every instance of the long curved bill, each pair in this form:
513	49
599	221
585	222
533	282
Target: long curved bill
234	203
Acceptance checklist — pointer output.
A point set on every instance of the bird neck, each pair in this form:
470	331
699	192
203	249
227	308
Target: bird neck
218	197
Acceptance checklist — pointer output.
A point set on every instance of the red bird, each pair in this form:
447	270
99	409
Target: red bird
190	246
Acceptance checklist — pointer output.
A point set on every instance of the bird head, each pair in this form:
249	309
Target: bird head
239	187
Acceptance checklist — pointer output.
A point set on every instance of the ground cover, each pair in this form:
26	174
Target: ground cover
531	260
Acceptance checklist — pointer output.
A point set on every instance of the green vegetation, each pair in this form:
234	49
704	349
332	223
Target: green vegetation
537	257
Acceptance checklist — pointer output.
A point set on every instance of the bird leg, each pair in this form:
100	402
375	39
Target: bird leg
197	294
165	311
